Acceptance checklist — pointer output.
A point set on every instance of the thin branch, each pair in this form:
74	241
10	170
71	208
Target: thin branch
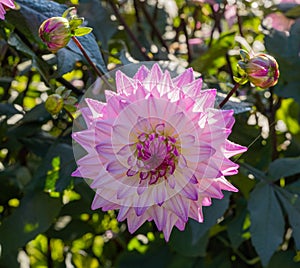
137	15
239	23
238	253
271	119
98	72
183	25
128	30
229	66
49	257
232	91
68	85
152	24
78	44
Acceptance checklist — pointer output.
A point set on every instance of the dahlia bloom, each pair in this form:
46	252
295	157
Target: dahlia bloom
157	149
3	5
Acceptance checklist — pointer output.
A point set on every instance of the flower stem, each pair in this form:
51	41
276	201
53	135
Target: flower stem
128	30
97	71
232	91
78	44
183	25
153	26
272	123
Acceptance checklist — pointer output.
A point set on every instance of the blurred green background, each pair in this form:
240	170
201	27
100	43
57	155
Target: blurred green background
45	215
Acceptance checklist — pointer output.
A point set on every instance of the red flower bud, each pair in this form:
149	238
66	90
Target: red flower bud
55	33
262	70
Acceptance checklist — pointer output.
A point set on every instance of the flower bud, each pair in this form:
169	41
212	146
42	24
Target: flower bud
261	70
55	33
54	104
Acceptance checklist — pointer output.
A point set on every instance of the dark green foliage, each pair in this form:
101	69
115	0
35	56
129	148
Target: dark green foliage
45	213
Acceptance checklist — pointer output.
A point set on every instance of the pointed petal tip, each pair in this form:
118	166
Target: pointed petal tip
140	210
76	173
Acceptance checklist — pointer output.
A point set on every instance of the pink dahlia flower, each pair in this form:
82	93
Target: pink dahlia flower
4	4
157	150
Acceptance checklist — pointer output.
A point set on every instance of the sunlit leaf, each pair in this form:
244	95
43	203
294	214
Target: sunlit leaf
35	214
82	31
289	113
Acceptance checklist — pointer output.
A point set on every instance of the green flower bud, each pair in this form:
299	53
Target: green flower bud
55	33
54	104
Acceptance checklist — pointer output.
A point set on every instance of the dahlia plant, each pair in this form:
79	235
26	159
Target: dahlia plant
157	149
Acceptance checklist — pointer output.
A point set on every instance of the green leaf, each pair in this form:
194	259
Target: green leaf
193	240
254	171
10	260
38	142
67	166
73	230
284	167
188	242
267	221
291	204
10	187
285	48
28	20
294	187
98	16
68	11
250	136
240	80
156	256
289	113
64	64
38	114
235	227
82	31
293	12
179	261
283	259
16	42
35	214
91	47
8	109
75	23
